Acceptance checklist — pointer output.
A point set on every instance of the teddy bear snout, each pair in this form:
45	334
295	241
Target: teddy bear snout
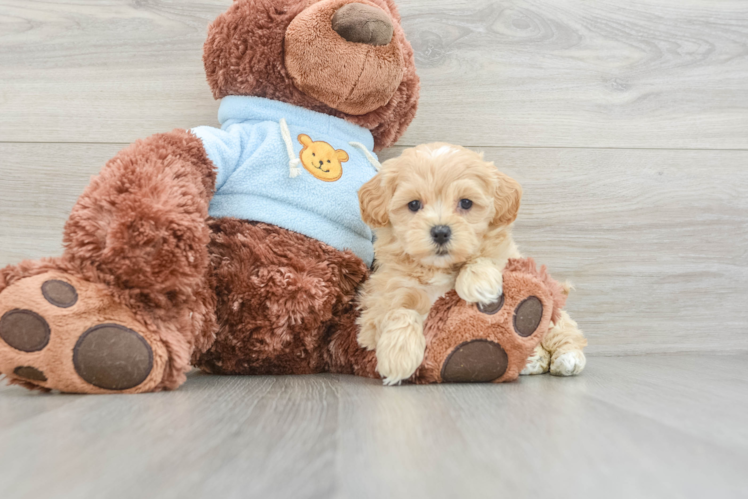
368	45
360	23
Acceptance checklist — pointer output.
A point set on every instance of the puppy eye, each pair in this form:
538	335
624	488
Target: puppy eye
466	204
328	161
415	206
314	154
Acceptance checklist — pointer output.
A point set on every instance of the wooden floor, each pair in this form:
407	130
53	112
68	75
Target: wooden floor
638	426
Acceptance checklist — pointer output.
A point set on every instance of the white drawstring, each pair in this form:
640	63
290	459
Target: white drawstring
293	162
374	162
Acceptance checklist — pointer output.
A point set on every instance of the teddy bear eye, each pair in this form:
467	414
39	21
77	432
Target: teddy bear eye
328	161
466	204
314	154
415	206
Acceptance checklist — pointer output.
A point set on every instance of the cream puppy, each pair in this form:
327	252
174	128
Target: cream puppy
442	218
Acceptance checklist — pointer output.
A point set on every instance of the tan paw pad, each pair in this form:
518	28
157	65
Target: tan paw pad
60	332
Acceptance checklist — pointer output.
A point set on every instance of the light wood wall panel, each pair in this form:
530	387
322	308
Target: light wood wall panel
653	240
562	73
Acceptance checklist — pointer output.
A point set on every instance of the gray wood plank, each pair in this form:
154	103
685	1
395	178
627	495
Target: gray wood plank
40	185
650	74
698	395
103	71
539	438
602	434
221	437
653	240
644	74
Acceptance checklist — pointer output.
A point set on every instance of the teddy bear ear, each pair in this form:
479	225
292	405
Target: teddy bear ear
305	140
342	155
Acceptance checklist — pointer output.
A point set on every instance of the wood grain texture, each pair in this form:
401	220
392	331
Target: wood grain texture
650	426
644	74
653	240
564	73
40	185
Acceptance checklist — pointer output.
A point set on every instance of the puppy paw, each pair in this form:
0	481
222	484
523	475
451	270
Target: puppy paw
480	282
568	363
367	334
401	346
538	363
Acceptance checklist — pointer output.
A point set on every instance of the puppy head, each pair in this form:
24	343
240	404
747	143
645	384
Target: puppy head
437	203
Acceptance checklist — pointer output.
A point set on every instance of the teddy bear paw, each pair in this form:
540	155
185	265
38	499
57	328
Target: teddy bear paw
486	342
60	332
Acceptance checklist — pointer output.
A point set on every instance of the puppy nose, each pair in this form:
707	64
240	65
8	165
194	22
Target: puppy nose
360	23
441	234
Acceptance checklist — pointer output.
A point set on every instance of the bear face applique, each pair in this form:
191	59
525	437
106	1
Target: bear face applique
322	160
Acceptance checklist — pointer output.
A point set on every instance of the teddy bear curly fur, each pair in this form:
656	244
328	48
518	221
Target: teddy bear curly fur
149	280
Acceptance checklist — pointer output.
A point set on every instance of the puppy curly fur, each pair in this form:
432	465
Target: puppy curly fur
412	271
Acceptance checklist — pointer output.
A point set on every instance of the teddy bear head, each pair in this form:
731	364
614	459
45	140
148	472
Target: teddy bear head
346	58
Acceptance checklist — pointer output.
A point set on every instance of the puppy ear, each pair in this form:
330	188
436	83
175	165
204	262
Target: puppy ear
507	198
374	199
305	140
342	156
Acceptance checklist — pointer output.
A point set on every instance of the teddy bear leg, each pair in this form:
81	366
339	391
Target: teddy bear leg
141	223
122	310
280	295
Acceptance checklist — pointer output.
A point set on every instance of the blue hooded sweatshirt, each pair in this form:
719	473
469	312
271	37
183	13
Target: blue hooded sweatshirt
305	180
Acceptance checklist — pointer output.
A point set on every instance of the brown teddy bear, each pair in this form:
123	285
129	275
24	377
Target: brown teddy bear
214	248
